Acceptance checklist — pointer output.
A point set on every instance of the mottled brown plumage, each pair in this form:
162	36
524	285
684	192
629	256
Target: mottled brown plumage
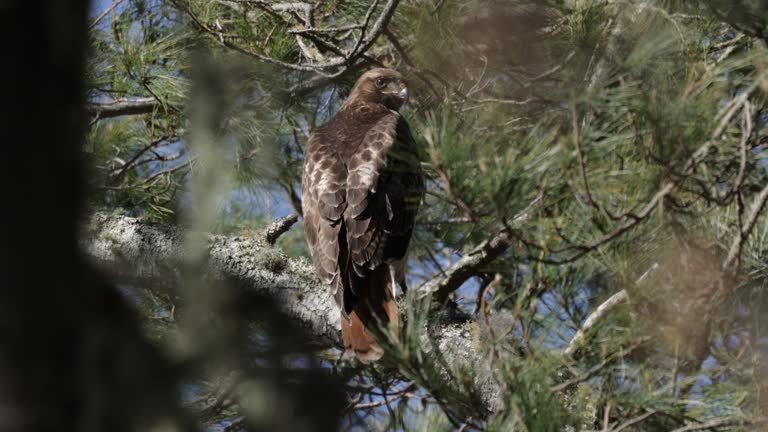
361	189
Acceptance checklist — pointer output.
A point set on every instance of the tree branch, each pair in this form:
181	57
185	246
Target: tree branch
329	69
470	264
141	252
593	318
279	227
466	267
123	107
757	208
601	310
718	423
103	14
634	421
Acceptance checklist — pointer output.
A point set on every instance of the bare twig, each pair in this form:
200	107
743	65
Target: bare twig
601	310
634	421
500	101
326	30
422	74
101	16
236	425
554	69
328	69
631	222
132	162
583	170
593	318
437	7
226	40
279	227
391	397
606	416
600	366
186	164
757	208
366	20
720	423
453	197
379	26
746	131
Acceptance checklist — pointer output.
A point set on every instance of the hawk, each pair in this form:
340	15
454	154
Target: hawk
361	189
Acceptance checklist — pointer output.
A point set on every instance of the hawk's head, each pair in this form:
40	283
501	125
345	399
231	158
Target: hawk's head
384	86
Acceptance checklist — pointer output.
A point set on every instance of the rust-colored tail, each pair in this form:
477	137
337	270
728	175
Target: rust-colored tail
375	303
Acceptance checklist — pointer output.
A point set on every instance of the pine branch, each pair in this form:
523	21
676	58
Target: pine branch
329	68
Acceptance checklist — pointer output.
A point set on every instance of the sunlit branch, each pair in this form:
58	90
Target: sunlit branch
151	254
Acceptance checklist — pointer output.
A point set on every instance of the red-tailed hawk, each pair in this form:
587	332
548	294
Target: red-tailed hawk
361	189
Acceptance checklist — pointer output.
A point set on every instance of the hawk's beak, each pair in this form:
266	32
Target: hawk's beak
403	94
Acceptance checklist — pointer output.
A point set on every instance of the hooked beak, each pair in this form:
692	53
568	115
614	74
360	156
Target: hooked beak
403	94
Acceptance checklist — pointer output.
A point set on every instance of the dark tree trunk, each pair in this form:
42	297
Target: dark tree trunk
72	356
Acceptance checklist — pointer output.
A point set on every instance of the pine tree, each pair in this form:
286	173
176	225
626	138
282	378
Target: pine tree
591	251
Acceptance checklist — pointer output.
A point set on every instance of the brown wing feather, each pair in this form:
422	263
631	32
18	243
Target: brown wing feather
324	201
384	188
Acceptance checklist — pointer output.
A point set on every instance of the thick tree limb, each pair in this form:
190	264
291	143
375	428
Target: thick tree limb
148	253
73	356
142	252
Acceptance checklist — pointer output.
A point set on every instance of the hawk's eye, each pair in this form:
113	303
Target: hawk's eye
380	82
